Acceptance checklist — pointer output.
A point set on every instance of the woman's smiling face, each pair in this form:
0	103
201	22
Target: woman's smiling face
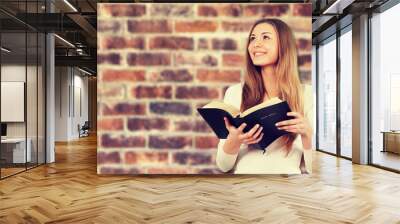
263	45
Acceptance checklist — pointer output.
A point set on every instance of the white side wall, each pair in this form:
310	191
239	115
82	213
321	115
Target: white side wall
61	103
71	102
16	73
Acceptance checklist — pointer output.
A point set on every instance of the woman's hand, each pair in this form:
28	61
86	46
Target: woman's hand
237	137
299	125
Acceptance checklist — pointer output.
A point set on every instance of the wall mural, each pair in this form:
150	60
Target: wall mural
159	63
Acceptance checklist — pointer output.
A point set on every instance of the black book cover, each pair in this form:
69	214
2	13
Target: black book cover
266	117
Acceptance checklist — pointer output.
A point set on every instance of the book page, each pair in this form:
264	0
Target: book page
269	102
221	105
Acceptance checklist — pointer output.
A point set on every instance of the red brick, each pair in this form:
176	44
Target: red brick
175	142
110	124
149	26
136	124
196	126
304	61
108	170
206	142
121	10
130	158
207	171
169	108
233	60
168	170
204	75
146	59
107	158
109	92
201	126
171	10
232	10
304	44
108	26
186	125
224	44
197	92
169	75
122	141
190	158
124	109
113	75
195	59
144	158
203	44
270	10
204	10
174	43
111	58
196	26
305	77
152	92
98	139
236	26
302	9
119	171
209	60
114	42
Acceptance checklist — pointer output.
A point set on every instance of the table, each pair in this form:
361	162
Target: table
391	141
18	149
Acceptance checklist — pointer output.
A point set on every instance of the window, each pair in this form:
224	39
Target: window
327	96
385	89
22	76
346	93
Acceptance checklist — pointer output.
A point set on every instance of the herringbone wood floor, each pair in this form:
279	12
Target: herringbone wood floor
70	191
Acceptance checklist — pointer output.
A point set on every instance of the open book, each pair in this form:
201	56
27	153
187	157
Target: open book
266	114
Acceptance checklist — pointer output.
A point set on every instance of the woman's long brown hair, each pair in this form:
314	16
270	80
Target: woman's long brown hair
286	72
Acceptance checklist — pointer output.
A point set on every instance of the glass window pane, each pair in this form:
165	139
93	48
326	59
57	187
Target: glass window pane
31	83
31	97
41	98
14	153
385	114
346	94
314	86
327	96
23	84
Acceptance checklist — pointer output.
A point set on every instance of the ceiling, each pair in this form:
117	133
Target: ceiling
328	16
76	22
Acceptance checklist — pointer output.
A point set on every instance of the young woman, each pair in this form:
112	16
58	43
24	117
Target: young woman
272	71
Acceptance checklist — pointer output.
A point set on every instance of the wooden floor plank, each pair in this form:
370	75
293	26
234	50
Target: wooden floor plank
70	191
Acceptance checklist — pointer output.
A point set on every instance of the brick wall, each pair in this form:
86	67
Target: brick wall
158	62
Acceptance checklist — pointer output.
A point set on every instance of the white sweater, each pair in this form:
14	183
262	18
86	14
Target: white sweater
274	160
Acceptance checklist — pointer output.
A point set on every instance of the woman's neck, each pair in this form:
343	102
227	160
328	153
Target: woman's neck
269	80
